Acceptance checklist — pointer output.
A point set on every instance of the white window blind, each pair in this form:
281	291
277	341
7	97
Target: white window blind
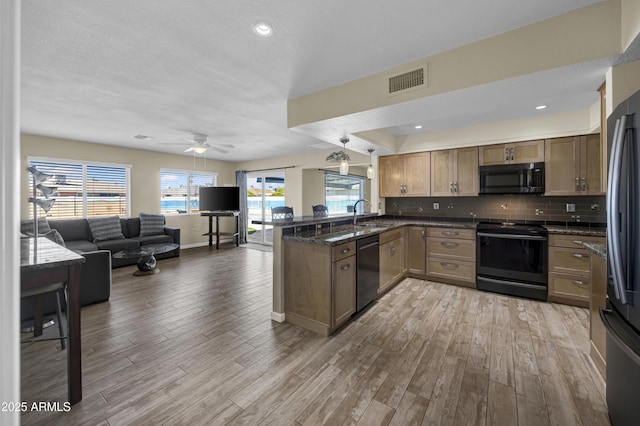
85	189
179	190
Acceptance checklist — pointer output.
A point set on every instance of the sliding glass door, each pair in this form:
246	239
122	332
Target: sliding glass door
265	189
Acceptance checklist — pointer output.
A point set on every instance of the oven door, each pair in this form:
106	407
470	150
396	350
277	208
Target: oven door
512	257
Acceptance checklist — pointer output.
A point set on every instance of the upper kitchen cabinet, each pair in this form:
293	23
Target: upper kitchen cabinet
573	165
404	175
513	153
454	172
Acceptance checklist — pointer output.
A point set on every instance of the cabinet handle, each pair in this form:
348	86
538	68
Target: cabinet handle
346	267
578	282
578	255
451	187
448	244
345	250
578	242
584	183
512	153
455	186
423	234
450	266
506	154
577	184
450	233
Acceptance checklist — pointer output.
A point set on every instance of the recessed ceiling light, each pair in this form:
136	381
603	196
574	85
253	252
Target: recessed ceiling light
262	29
143	137
418	127
541	107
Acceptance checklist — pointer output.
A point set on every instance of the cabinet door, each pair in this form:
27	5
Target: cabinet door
416	252
527	152
562	166
591	165
390	175
466	172
441	173
391	262
493	154
344	290
416	174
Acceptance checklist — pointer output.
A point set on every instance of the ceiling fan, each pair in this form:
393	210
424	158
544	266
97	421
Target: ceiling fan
198	143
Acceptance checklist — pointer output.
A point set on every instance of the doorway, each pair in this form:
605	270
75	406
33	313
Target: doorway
265	189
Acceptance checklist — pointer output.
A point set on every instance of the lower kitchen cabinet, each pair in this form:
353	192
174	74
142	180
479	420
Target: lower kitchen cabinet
417	250
319	285
392	258
569	269
451	256
597	332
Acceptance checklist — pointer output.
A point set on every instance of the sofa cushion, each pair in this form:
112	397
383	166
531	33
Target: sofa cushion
81	246
118	245
154	239
151	224
133	227
26	226
105	228
72	229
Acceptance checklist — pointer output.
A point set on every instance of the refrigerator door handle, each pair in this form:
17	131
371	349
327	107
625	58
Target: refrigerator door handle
613	199
619	340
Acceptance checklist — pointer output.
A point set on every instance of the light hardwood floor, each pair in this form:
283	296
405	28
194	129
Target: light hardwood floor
194	345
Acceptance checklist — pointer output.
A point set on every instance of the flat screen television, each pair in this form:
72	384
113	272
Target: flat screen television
219	198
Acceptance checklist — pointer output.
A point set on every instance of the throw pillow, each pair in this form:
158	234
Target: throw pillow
105	228
26	226
151	224
55	236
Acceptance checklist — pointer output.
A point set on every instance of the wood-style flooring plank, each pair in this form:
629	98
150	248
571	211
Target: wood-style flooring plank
195	345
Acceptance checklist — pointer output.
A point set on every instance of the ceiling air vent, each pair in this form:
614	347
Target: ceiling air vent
406	81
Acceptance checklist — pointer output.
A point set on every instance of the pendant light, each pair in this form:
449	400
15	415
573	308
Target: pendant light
342	157
371	172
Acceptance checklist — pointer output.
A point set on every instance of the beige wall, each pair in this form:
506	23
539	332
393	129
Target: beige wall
622	81
630	22
145	176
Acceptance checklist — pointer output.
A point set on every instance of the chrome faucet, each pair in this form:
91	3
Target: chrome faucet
355	210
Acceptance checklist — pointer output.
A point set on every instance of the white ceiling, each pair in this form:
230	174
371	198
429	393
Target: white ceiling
105	71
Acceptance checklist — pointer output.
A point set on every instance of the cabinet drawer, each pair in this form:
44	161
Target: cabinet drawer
385	237
569	261
344	250
465	234
573	241
452	248
567	286
453	270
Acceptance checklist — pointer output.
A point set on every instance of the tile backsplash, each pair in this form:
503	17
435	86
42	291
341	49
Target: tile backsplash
525	208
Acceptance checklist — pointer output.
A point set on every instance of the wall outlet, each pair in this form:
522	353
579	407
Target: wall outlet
571	208
436	206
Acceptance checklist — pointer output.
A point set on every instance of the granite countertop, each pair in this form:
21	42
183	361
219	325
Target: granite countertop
599	249
347	233
47	255
308	220
577	230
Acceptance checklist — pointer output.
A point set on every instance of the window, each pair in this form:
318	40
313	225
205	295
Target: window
85	189
179	190
342	192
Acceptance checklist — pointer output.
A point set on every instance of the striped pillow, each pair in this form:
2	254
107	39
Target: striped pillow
105	228
151	224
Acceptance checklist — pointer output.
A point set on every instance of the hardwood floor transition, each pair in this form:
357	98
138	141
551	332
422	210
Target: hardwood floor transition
194	345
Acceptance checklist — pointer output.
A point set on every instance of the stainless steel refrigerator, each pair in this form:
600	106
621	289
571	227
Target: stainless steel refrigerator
621	316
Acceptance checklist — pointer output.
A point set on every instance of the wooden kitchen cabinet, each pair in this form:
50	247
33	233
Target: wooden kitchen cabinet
404	175
451	255
392	258
319	285
454	172
416	250
573	165
570	269
597	331
512	153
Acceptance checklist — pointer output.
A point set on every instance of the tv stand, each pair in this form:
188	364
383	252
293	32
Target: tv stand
217	233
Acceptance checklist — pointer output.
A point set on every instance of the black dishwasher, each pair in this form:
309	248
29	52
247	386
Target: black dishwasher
368	271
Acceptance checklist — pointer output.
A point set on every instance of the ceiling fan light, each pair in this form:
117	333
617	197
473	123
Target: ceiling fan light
200	149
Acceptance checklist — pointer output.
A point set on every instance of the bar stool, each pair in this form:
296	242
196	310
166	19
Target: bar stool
281	212
320	210
37	294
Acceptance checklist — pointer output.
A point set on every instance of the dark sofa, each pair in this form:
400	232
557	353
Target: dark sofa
96	271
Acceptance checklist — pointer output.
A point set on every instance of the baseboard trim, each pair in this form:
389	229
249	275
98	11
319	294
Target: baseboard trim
206	243
277	316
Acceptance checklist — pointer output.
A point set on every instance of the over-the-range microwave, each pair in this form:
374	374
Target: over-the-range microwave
525	178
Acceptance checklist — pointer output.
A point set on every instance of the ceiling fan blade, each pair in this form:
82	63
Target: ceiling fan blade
173	143
215	148
188	149
226	145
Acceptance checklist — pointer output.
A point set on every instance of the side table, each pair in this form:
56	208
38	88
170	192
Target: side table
217	233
